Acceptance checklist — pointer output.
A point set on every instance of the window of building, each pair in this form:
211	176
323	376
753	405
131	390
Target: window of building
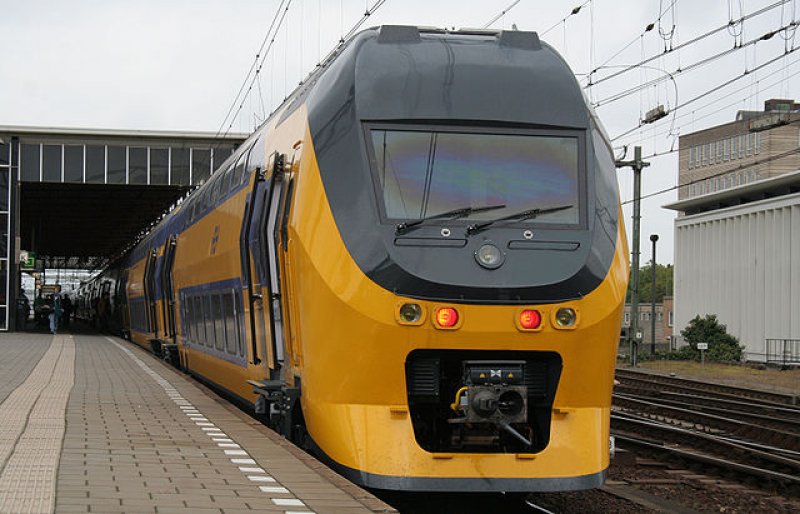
201	165
716	184
691	157
137	165
670	318
733	147
73	163
660	316
117	165
711	153
757	143
749	144
741	145
51	163
719	151
30	163
179	166
627	317
726	150
159	166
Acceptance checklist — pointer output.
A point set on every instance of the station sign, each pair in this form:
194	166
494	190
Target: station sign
702	346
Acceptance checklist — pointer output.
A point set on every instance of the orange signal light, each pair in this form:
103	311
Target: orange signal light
446	317
530	319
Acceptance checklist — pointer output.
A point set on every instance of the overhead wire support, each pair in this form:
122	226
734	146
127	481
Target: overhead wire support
637	164
688	43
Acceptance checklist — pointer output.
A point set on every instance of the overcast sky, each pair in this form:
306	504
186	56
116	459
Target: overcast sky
178	64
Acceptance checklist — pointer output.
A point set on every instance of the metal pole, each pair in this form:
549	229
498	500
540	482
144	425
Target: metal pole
637	164
654	239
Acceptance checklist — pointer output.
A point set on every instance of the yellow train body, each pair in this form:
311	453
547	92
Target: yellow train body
340	341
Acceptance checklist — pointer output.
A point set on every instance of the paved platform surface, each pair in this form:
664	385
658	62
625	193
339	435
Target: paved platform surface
96	424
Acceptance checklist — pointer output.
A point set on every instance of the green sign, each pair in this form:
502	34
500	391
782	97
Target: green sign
28	260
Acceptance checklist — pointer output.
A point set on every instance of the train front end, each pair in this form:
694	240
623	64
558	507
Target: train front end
458	266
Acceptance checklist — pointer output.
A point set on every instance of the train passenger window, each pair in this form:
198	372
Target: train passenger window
427	172
219	324
228	313
241	334
234	175
220	154
197	318
208	316
255	159
186	312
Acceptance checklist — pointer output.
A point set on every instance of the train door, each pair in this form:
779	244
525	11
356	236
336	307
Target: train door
264	293
149	297
168	304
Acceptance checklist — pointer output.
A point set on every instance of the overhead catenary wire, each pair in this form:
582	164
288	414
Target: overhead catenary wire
724	107
764	37
684	45
712	90
500	14
573	12
259	54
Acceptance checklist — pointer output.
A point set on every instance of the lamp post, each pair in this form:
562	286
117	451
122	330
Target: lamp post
654	239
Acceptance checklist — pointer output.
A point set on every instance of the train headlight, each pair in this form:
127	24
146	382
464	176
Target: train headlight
489	256
410	312
566	317
446	317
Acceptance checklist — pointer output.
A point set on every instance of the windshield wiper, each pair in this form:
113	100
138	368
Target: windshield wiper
519	216
400	228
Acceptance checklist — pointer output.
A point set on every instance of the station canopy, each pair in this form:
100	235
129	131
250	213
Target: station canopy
86	194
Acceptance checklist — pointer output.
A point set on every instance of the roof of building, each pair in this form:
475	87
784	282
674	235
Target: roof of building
127	133
787	183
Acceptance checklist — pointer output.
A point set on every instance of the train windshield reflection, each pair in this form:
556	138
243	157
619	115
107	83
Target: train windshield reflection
424	173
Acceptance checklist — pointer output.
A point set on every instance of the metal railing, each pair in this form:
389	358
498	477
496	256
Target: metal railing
783	351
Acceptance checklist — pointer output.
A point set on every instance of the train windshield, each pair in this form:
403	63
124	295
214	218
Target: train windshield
424	173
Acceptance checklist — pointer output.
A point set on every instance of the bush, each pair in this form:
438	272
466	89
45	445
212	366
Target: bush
722	347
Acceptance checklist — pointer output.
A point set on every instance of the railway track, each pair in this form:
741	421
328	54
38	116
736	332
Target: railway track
749	434
685	385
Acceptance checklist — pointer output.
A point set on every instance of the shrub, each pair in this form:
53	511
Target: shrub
722	347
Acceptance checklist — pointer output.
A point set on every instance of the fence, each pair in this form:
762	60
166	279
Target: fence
783	351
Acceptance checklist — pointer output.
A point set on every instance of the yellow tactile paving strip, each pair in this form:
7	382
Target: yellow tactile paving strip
32	424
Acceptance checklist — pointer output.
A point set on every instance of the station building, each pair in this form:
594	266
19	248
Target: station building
737	235
76	198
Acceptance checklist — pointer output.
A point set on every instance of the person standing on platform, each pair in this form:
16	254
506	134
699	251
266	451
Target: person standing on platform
68	308
55	314
103	305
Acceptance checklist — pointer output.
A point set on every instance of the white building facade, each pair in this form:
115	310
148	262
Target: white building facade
737	255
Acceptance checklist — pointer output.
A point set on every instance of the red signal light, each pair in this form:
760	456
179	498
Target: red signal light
446	317
530	319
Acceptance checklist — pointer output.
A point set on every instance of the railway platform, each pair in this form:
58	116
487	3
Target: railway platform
95	424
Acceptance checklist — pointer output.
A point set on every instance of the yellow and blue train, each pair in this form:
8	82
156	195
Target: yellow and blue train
416	267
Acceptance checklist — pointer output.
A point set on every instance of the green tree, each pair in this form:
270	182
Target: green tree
663	283
722	347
